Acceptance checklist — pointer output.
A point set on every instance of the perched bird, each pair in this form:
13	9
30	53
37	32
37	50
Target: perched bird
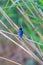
20	33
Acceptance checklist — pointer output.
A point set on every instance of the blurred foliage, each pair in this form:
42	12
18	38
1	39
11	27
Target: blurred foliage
17	18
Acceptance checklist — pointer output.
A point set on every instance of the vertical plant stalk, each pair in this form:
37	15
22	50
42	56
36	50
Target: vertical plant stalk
7	3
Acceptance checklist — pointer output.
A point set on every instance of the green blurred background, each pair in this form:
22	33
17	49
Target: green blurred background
16	16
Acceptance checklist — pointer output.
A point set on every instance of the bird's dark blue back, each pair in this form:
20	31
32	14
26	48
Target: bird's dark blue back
20	32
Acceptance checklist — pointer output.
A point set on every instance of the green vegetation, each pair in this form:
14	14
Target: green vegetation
26	14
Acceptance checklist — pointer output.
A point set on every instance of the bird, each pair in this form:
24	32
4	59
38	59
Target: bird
20	32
